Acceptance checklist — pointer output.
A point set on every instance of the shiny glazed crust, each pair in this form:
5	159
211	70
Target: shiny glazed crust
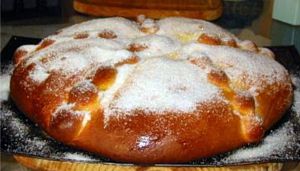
165	91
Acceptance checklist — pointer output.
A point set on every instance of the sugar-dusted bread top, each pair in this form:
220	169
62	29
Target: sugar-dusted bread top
110	75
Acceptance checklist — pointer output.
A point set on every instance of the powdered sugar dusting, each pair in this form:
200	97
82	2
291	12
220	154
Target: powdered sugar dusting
5	82
296	103
157	82
64	106
124	73
26	138
39	74
4	88
110	57
27	48
77	157
149	89
277	142
19	128
72	62
148	23
156	45
85	86
69	107
72	57
252	68
283	141
123	28
176	26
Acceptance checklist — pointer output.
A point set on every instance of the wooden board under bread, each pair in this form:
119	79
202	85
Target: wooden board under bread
48	165
202	9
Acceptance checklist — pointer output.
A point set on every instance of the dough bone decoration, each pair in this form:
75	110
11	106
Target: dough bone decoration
150	91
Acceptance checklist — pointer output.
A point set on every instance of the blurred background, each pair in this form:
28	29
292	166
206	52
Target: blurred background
265	22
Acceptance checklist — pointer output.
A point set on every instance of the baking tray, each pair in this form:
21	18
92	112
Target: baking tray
20	136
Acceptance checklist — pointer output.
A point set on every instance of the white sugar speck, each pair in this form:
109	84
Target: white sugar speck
277	142
296	103
5	82
39	74
76	156
4	88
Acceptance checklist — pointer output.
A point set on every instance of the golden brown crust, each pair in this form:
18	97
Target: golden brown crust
69	107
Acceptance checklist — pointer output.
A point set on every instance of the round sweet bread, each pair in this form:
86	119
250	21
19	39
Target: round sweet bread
151	91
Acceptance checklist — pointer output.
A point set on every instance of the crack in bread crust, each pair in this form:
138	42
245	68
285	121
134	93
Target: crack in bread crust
242	104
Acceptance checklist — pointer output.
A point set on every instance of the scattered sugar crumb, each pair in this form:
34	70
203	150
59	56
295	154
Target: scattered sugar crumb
156	45
77	157
39	74
19	130
27	139
296	103
4	88
5	82
278	142
148	23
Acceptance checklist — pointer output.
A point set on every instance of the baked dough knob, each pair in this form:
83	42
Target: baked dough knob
251	124
209	39
81	35
248	45
67	124
266	52
45	43
19	55
150	30
131	60
241	103
203	62
229	42
148	26
135	47
107	34
252	128
84	95
245	103
218	78
104	78
71	118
